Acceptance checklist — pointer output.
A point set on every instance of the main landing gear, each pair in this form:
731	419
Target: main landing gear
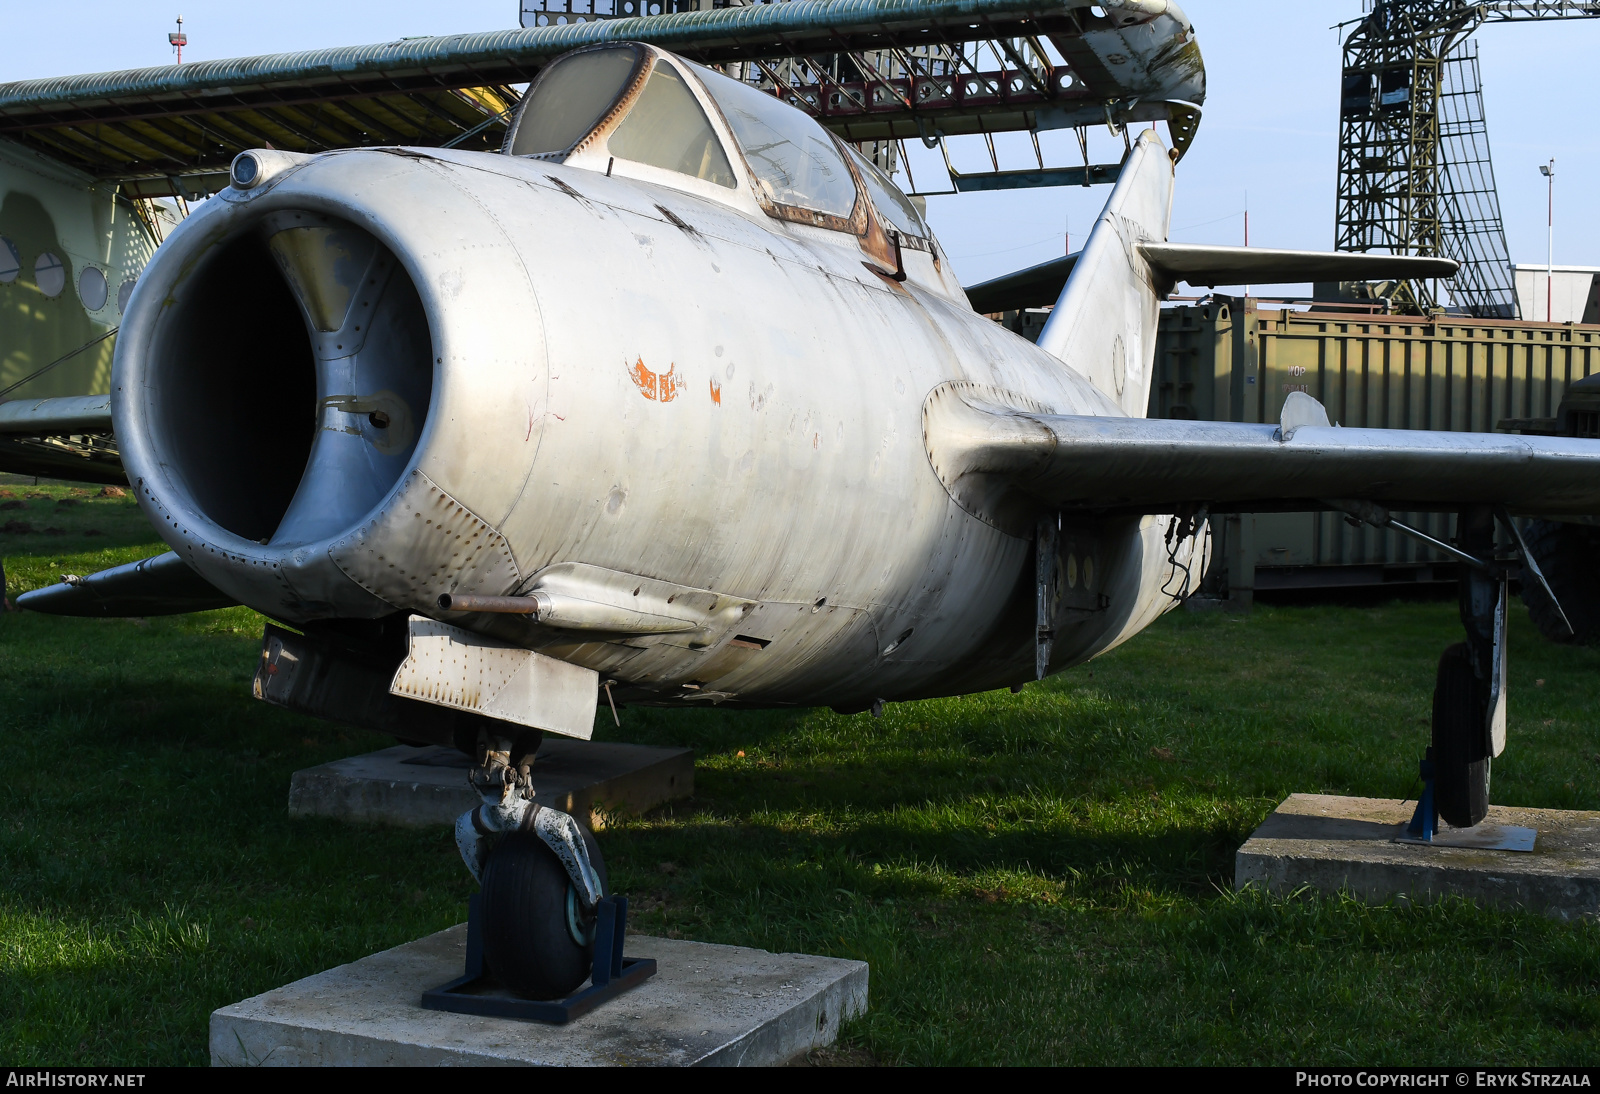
543	878
1469	694
1469	690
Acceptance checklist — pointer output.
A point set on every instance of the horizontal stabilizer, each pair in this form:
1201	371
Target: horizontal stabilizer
1039	286
1036	287
1204	264
163	585
1006	465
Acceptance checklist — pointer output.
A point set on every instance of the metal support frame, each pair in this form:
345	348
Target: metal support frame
474	992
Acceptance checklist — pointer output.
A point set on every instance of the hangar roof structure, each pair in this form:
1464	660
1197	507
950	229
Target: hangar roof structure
174	129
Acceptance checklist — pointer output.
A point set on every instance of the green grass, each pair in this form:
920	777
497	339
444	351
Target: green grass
1038	878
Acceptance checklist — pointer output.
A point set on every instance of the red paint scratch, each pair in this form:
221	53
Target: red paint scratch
655	385
716	392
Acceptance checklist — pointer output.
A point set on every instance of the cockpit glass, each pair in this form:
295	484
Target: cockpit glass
666	128
794	160
570	98
887	198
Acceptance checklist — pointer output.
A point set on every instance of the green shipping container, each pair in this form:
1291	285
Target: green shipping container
1228	360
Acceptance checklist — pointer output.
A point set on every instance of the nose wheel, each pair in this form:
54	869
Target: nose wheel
543	879
538	936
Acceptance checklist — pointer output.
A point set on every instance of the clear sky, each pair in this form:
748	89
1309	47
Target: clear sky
1269	131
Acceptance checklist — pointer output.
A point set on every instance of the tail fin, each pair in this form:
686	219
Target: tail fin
1104	324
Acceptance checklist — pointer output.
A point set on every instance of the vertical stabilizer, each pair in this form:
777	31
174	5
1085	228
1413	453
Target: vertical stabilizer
1104	323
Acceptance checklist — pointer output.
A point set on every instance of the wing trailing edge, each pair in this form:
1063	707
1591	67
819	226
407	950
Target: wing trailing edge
1006	465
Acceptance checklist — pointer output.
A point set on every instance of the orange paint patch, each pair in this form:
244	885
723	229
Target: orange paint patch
671	384
655	385
716	392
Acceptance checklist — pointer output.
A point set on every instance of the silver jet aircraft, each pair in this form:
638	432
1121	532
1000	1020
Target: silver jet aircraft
678	401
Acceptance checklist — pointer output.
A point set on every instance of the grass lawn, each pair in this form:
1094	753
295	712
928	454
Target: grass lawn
1035	878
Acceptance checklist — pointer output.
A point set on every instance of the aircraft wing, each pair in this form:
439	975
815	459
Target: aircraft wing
1006	465
65	438
70	438
163	585
1205	264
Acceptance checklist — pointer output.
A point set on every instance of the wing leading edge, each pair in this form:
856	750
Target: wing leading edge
1005	465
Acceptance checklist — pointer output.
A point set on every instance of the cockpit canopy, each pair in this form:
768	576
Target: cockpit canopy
638	104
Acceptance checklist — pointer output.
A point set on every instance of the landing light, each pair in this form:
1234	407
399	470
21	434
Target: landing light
246	171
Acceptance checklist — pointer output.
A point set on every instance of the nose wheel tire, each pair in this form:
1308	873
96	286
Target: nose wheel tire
1460	741
537	939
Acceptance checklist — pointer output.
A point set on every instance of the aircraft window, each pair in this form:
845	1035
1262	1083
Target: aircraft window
49	274
666	128
10	261
124	294
891	204
92	288
794	159
570	98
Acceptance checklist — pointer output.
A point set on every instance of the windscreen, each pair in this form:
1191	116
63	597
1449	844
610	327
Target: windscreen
794	159
666	128
571	97
887	198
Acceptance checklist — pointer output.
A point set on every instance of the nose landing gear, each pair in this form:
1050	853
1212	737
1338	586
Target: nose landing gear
541	872
545	919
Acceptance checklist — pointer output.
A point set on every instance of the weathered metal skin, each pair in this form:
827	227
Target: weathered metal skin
663	388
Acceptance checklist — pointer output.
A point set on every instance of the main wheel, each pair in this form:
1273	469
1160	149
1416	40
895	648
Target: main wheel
1460	741
536	939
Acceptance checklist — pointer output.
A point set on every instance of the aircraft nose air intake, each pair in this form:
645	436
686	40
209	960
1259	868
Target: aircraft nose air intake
273	393
293	374
373	373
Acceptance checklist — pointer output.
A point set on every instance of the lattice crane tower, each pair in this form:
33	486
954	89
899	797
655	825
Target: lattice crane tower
1415	175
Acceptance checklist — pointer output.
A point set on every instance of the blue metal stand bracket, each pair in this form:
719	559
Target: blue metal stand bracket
1425	821
475	993
1423	828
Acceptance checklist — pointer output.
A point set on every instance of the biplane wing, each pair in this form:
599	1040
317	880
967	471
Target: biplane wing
63	438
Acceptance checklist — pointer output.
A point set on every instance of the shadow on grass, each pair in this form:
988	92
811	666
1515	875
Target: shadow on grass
1038	878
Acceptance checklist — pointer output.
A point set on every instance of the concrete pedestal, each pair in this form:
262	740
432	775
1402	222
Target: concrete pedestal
416	787
1332	843
721	1005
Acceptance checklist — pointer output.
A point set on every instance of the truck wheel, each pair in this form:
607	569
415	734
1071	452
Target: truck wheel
1568	555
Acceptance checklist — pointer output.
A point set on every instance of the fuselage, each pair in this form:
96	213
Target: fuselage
629	377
